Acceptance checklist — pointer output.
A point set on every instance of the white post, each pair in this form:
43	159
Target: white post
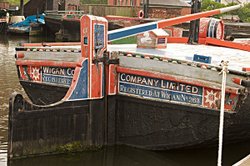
223	88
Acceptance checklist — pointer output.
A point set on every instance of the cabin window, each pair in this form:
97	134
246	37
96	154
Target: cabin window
161	41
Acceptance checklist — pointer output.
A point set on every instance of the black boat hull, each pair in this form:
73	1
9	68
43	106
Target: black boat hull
3	27
161	126
145	124
52	25
37	130
71	30
43	94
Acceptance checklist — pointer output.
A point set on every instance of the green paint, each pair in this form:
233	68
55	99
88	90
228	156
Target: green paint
128	40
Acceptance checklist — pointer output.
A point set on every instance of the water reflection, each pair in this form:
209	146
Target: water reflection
112	156
8	84
127	156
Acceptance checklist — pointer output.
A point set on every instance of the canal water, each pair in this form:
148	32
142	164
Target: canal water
111	156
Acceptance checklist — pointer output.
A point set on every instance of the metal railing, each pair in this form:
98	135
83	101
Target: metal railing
63	12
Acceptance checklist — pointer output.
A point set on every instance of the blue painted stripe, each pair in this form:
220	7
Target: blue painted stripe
55	79
117	34
81	89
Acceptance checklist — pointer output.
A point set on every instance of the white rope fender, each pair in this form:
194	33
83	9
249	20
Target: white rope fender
223	88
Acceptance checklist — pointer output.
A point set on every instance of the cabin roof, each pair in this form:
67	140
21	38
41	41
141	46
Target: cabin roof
160	32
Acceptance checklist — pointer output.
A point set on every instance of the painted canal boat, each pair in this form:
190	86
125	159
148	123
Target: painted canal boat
31	26
65	25
159	94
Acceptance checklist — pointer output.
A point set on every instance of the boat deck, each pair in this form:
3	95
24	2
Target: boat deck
237	59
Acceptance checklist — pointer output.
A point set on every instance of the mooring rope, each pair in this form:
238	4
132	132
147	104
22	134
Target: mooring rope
223	88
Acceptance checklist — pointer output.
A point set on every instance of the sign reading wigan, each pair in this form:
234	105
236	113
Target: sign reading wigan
159	89
57	75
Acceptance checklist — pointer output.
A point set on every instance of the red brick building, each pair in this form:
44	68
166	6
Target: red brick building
153	39
4	5
124	2
157	8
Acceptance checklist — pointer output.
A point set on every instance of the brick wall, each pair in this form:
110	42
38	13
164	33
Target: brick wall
72	4
154	12
4	5
124	2
111	2
168	12
185	11
103	10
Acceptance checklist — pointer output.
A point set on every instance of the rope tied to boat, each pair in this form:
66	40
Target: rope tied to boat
224	72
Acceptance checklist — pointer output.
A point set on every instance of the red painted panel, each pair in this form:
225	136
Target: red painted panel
23	73
211	98
96	81
46	63
177	39
203	27
89	37
112	80
30	72
231	101
20	55
246	69
35	73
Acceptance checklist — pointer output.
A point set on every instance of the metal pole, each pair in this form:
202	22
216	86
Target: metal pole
105	66
147	9
21	7
144	7
223	89
195	24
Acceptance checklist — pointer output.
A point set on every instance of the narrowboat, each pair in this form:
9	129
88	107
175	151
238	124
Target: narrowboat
158	94
65	25
31	26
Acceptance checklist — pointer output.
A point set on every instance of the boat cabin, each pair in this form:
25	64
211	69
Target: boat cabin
153	39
